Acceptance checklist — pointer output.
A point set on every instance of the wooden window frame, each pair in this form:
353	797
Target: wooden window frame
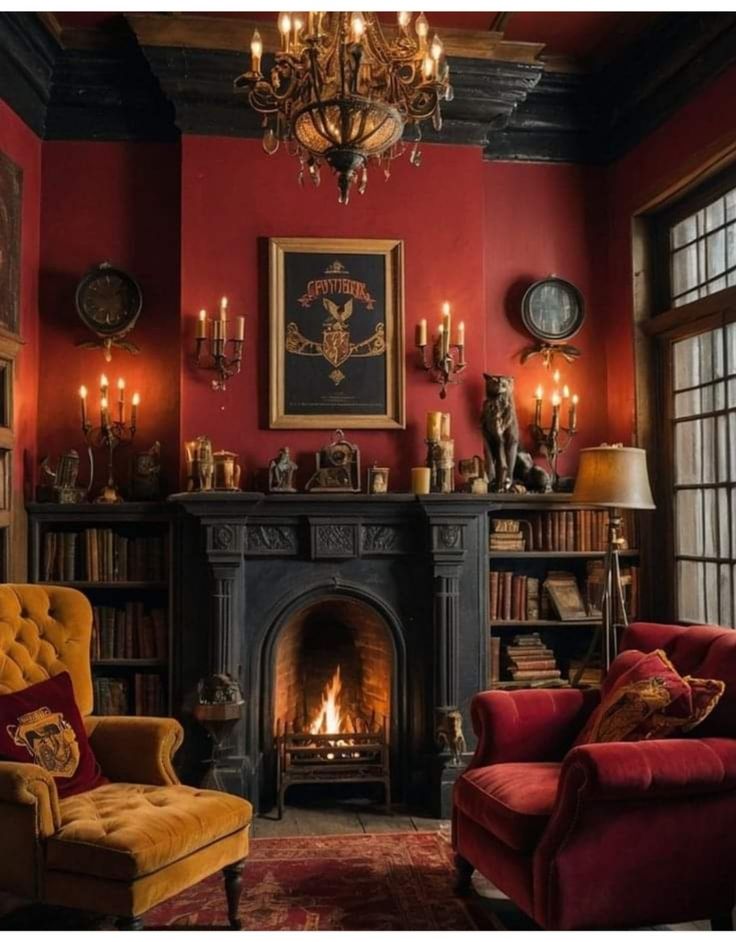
13	521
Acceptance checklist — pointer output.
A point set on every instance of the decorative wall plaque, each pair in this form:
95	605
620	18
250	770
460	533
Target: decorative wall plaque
337	333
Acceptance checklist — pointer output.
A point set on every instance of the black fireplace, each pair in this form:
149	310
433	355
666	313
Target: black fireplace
369	612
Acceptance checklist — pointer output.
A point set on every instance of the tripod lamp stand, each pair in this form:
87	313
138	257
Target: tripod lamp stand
614	478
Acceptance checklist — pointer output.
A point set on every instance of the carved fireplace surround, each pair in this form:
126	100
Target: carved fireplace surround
250	563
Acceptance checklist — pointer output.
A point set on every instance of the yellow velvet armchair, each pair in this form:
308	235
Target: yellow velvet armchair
124	847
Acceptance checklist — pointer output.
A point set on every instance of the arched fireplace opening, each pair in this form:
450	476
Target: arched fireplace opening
333	676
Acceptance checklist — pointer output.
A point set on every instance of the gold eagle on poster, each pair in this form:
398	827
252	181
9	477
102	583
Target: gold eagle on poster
336	345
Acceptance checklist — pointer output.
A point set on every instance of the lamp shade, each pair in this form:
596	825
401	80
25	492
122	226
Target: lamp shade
613	476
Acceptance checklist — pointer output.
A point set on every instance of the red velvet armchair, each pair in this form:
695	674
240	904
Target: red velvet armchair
610	835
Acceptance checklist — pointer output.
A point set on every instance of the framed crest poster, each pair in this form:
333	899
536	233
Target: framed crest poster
10	210
337	333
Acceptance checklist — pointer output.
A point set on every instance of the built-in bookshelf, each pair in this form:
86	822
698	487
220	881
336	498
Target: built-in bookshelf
120	557
545	580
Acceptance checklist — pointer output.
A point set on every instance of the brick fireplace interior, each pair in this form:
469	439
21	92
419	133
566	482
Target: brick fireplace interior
334	656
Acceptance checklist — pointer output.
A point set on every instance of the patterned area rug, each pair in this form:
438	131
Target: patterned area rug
361	882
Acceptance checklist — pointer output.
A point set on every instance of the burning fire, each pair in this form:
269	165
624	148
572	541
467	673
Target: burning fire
329	718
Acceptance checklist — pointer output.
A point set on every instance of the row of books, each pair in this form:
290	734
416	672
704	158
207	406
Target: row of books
102	555
141	695
513	597
129	632
584	531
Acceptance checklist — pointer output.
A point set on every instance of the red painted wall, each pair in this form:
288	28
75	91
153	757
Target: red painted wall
117	202
233	195
475	233
700	129
19	143
543	219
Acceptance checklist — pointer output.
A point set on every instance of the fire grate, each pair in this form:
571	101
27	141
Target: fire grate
305	758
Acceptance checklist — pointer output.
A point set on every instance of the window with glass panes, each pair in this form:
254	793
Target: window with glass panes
703	370
702	251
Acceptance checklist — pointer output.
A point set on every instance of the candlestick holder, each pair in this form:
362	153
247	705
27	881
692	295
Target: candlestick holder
444	366
214	350
553	440
109	435
441	464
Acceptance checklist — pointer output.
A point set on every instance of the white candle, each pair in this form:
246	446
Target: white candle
241	329
202	325
420	333
461	334
134	413
83	400
223	309
121	400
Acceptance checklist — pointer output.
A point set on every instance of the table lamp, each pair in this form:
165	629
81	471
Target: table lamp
616	478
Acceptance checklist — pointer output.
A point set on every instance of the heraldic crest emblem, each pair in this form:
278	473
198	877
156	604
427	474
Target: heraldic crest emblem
336	345
50	739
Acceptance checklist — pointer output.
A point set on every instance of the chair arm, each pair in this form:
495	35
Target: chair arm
22	783
651	769
136	749
528	725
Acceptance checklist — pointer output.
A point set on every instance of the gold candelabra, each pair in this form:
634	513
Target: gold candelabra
109	434
212	341
443	366
553	440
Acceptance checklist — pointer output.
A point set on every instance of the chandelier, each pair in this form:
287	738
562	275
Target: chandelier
342	92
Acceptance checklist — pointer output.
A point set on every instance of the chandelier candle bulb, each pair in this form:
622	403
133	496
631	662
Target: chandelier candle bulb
202	325
223	309
422	27
404	19
256	52
104	386
461	334
285	29
134	412
565	392
357	26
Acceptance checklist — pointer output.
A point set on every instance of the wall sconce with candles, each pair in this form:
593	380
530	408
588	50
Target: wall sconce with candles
112	431
553	440
444	366
212	341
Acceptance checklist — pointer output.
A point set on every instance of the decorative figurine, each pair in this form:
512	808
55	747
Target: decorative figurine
146	484
338	467
378	480
532	476
472	471
500	431
199	464
60	486
281	471
449	735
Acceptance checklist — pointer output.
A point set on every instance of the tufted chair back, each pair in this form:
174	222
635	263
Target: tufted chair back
698	650
45	630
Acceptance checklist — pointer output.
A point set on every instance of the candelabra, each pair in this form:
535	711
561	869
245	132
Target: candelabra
217	341
443	365
109	434
553	440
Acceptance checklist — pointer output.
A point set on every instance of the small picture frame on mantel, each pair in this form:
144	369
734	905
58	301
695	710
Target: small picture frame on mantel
336	333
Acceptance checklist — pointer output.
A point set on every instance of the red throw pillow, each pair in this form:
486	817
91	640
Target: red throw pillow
644	697
42	725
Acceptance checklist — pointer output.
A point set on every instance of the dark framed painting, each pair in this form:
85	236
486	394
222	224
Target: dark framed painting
337	333
11	183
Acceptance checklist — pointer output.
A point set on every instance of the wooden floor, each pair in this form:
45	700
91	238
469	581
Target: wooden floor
345	817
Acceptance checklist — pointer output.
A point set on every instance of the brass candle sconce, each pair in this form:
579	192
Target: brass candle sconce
446	359
212	351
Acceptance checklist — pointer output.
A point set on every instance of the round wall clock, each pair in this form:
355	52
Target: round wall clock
552	310
109	301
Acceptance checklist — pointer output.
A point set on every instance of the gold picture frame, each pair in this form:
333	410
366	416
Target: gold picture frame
336	333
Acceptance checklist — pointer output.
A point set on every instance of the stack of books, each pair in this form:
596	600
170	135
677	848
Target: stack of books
506	535
531	663
112	696
513	597
129	632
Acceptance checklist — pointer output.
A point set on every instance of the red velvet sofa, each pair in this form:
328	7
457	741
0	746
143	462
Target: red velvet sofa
609	835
